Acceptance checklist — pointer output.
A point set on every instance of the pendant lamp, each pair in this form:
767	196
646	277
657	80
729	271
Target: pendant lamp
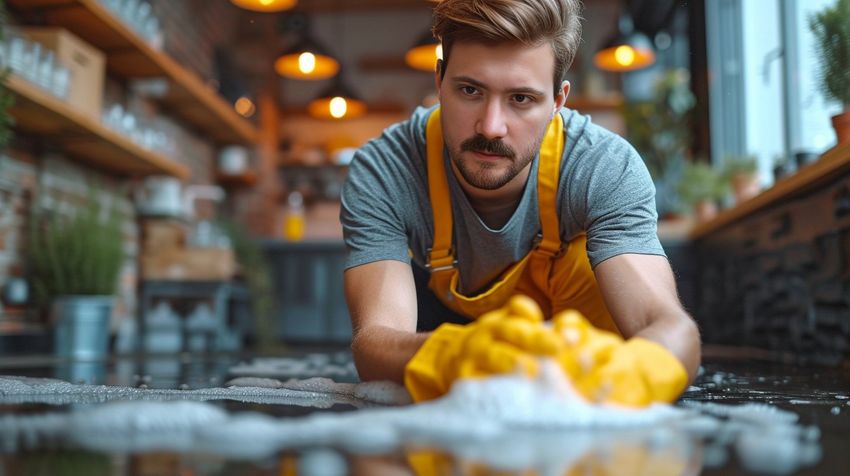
265	5
337	102
308	60
627	50
423	55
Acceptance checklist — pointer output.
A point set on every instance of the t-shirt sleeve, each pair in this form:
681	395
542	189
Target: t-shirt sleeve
614	198
373	195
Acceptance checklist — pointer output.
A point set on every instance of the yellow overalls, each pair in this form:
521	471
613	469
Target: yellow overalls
556	275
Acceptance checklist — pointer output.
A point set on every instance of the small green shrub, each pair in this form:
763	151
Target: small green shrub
81	254
700	182
739	165
831	28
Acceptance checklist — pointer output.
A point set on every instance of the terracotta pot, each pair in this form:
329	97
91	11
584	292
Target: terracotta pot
841	124
705	210
745	186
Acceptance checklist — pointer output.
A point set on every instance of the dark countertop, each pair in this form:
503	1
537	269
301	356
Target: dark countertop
818	396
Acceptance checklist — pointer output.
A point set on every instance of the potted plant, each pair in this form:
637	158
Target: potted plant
782	167
660	130
700	188
74	263
831	28
741	172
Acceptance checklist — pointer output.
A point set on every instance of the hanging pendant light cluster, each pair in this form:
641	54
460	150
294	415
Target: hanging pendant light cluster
265	5
309	60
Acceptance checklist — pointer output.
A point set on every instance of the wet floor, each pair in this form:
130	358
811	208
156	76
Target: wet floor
181	415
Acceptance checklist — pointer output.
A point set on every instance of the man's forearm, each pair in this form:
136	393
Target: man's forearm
381	353
680	336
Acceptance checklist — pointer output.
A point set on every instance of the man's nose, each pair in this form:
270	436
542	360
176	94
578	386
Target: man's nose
492	123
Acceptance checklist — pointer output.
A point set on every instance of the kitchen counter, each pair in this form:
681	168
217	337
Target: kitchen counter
832	165
33	443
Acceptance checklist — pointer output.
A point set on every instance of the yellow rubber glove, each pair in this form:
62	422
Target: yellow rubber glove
638	373
506	340
606	369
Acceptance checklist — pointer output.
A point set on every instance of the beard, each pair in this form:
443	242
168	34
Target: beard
487	175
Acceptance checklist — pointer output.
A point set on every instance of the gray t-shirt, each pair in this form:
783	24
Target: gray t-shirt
604	191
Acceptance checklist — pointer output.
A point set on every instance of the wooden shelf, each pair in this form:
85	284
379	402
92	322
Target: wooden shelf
245	179
833	163
130	56
590	103
84	137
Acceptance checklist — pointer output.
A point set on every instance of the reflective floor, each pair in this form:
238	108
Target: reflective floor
796	420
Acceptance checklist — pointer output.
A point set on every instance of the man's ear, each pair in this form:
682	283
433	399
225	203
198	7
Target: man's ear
561	98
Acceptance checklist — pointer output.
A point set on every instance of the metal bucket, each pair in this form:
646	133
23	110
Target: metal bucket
82	327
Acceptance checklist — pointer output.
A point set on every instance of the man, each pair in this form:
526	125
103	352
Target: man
500	191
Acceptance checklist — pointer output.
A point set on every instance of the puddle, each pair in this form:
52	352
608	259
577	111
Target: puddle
502	424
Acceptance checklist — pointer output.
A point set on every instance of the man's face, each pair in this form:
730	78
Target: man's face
496	103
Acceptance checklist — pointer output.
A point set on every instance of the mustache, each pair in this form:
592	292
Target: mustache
479	143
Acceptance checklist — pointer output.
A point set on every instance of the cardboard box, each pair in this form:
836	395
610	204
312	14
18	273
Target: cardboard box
189	264
85	62
159	234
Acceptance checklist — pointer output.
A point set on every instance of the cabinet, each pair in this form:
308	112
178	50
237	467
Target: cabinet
774	272
308	288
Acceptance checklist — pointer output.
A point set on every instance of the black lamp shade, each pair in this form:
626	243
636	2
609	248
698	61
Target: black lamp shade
423	55
265	5
308	60
628	50
337	102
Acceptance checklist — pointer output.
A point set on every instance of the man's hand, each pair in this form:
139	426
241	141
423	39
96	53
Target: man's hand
601	366
510	339
606	369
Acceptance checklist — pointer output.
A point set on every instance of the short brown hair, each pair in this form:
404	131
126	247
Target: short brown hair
530	22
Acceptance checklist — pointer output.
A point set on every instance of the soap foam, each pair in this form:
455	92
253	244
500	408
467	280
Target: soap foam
311	365
505	422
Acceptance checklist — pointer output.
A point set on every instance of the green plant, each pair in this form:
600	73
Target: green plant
255	271
6	97
660	128
831	28
700	181
80	254
739	165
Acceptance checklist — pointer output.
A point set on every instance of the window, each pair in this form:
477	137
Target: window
763	92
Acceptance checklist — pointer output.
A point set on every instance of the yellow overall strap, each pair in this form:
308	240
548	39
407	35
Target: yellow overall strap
444	276
441	258
548	173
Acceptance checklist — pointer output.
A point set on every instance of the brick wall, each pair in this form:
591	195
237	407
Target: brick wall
17	179
192	30
51	181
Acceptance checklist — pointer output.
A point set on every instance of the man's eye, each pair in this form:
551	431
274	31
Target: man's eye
470	90
523	99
